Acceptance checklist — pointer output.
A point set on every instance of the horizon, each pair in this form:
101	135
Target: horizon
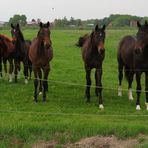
75	18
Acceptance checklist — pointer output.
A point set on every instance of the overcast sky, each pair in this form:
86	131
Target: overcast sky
83	9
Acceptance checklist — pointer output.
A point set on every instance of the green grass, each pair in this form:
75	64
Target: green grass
65	117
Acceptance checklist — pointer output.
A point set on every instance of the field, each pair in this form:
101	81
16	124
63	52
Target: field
66	117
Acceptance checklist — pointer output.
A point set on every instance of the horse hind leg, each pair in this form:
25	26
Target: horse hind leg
5	68
1	67
146	89
129	75
88	84
120	76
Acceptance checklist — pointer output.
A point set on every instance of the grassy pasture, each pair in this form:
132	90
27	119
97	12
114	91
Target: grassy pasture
65	117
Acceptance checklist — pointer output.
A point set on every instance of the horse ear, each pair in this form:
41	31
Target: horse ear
41	24
138	24
48	24
18	26
146	23
96	28
103	28
12	25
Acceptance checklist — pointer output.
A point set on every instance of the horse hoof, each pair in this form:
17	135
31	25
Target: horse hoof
26	81
131	98
119	94
138	107
101	106
35	101
44	100
40	93
10	81
146	106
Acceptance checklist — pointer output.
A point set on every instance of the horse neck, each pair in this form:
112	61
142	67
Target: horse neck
40	47
92	47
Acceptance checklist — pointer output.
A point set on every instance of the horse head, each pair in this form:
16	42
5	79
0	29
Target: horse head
142	38
98	38
44	34
16	32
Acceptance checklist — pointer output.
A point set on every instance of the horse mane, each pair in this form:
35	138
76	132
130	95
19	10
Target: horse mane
21	36
40	47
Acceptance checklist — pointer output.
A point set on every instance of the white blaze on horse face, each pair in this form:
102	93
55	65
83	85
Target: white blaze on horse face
101	47
130	95
119	91
138	107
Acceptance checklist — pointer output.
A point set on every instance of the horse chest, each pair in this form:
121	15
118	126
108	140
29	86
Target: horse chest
94	61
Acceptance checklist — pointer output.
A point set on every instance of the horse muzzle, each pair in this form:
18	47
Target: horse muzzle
101	51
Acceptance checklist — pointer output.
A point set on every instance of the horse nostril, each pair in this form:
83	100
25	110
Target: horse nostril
47	46
137	51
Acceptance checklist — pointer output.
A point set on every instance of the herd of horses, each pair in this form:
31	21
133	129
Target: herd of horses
132	56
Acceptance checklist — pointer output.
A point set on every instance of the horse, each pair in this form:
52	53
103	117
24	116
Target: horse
6	53
132	55
21	51
93	54
40	54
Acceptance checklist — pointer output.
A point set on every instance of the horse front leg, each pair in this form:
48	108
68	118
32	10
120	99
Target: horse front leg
40	79
15	69
88	84
35	69
99	87
10	69
146	89
45	82
25	70
138	90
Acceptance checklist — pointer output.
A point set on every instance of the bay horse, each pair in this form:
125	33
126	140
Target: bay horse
93	53
41	54
21	51
133	57
6	53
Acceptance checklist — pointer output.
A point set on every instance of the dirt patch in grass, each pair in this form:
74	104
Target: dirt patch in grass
97	142
103	142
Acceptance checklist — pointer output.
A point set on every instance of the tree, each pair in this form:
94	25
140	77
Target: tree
21	19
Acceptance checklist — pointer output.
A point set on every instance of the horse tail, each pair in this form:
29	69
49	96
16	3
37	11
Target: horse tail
82	40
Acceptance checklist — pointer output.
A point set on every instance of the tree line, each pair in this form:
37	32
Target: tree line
114	20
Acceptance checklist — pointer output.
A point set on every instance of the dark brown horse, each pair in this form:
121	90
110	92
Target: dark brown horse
93	53
133	57
21	51
41	54
6	53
